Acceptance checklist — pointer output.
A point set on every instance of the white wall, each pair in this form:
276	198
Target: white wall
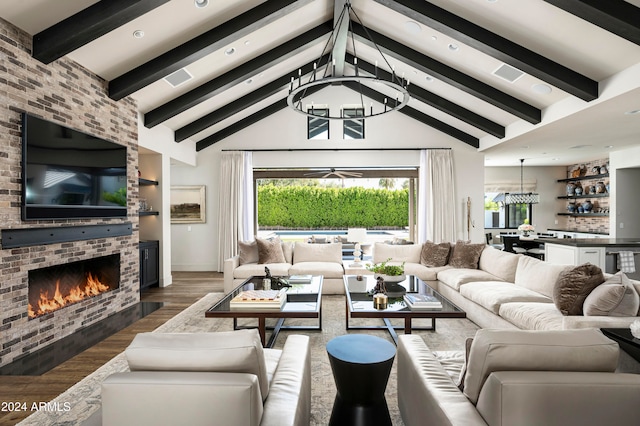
157	150
196	249
624	175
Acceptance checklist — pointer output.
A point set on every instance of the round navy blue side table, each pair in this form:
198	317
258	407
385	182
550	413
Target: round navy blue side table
361	365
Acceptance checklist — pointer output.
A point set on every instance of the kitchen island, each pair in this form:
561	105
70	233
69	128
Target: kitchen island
602	252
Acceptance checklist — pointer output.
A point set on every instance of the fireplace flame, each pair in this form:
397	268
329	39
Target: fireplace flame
46	304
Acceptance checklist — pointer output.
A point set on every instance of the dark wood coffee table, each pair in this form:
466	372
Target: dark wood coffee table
359	304
303	301
625	339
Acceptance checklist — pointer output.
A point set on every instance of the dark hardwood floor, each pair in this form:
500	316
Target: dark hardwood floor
186	289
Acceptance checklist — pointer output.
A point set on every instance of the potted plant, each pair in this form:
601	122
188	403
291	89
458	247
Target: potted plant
389	273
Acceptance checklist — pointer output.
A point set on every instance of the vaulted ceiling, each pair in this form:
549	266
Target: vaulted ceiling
574	65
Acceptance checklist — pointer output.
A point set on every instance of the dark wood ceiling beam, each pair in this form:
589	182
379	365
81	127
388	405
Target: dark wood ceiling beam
616	16
87	25
496	46
449	75
237	75
438	102
417	115
201	46
244	102
247	121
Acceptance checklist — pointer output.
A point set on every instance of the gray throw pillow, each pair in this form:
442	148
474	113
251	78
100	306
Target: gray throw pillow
466	255
615	297
270	251
248	252
574	285
434	255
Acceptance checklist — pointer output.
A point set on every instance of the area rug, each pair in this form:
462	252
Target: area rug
83	399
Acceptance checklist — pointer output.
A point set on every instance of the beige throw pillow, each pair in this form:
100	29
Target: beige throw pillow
574	285
434	255
248	252
466	255
615	297
270	251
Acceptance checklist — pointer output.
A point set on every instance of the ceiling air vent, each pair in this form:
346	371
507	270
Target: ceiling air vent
179	77
509	73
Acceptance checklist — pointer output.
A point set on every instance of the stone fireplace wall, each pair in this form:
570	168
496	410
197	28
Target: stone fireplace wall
68	94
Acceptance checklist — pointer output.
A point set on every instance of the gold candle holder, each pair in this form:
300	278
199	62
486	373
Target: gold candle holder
380	301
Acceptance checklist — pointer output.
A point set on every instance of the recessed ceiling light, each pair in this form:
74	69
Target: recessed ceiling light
230	51
249	81
542	89
428	78
412	27
138	34
201	3
608	146
492	1
633	112
247	42
434	38
453	47
579	146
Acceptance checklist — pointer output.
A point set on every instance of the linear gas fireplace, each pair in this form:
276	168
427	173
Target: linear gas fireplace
55	287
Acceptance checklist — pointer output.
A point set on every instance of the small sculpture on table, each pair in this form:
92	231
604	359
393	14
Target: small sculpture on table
276	282
380	298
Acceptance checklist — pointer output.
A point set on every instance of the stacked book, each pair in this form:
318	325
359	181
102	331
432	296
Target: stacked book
422	301
299	279
251	300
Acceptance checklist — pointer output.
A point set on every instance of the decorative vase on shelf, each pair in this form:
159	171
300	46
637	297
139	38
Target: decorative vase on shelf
571	208
592	189
587	206
600	188
578	190
604	169
571	188
595	170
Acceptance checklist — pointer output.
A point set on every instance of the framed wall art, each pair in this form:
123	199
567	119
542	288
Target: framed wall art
188	204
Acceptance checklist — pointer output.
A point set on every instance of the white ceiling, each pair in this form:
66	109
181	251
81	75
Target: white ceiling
571	130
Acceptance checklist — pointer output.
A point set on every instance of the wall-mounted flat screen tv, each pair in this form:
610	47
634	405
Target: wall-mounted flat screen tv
68	174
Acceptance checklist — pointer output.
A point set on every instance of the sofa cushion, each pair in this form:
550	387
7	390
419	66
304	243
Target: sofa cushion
491	294
256	269
303	252
326	269
466	255
409	253
423	272
230	351
270	251
527	350
435	255
248	252
532	315
287	250
573	286
538	275
615	297
454	277
502	264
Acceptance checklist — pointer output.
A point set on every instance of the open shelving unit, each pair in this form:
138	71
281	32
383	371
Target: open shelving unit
584	196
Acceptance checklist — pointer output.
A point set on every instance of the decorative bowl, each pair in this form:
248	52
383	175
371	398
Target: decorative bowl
392	278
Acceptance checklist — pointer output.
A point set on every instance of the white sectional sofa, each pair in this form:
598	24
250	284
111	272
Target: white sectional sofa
504	290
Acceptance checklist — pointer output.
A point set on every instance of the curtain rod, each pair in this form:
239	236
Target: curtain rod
329	149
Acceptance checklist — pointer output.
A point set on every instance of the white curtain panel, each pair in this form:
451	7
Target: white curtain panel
437	200
235	206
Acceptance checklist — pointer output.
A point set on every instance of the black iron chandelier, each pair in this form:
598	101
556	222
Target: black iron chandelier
521	197
335	73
